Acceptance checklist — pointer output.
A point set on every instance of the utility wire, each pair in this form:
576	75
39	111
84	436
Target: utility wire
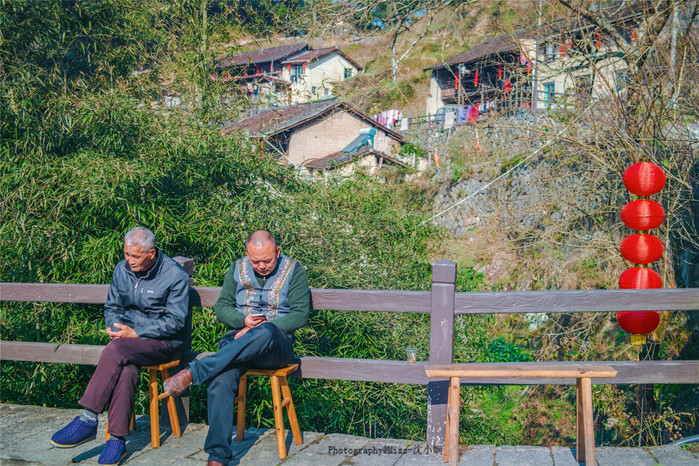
548	143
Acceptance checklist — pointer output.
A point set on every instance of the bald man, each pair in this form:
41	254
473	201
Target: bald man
264	299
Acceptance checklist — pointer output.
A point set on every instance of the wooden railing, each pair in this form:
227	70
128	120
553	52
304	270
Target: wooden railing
442	303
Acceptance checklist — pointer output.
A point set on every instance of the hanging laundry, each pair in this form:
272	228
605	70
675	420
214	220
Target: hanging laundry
449	119
472	115
507	86
463	115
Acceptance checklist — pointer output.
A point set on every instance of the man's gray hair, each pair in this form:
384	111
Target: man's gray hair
140	236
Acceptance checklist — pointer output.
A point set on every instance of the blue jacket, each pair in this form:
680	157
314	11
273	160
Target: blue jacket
155	305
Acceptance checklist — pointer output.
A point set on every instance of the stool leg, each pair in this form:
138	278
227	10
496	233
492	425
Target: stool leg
454	387
584	398
242	401
579	425
291	411
445	458
154	411
132	422
171	407
278	417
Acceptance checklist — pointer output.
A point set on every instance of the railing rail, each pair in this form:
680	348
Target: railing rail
442	303
486	302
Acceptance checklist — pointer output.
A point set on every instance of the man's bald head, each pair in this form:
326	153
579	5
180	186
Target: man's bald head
259	238
262	251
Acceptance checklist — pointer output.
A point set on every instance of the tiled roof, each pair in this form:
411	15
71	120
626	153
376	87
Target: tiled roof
264	55
275	120
258	78
506	43
613	12
313	55
337	159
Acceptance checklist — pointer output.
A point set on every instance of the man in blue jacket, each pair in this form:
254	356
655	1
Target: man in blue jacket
145	314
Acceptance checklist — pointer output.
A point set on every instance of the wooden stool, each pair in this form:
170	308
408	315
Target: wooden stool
278	381
155	398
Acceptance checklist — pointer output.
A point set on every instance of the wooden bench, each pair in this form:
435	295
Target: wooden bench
585	439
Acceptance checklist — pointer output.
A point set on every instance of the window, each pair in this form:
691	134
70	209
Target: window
296	70
313	90
549	94
550	54
326	91
348	73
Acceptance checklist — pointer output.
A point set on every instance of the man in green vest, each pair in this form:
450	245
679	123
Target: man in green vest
265	298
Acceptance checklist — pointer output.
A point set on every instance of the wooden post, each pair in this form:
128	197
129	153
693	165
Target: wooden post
441	346
182	401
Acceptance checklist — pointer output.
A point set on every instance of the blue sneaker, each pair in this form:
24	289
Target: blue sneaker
114	452
75	433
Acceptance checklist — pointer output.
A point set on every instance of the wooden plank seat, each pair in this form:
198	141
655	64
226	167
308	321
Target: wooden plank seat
281	398
155	398
585	439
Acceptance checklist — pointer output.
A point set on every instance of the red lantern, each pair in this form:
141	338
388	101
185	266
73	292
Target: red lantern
640	278
644	179
456	80
475	79
641	249
642	214
638	322
500	71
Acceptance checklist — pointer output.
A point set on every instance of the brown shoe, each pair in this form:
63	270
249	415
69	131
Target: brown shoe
213	463
178	383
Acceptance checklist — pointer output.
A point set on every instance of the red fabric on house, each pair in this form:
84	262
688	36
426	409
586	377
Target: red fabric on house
472	115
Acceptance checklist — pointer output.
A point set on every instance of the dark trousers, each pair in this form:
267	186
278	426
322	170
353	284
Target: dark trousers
264	347
116	378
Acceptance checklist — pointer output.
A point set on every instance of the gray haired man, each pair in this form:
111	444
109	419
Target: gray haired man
145	315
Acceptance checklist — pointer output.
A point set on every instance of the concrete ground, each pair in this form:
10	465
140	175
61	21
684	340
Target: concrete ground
25	432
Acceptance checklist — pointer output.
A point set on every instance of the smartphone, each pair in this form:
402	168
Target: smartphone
257	315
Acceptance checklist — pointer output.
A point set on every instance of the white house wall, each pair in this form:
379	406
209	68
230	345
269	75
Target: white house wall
434	98
604	73
322	74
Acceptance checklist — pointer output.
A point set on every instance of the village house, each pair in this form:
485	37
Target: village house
568	63
322	137
287	74
314	73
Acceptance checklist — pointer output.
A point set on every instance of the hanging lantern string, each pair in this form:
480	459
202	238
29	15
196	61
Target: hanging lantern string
546	144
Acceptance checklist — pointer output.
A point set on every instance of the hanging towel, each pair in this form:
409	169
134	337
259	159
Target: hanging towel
472	115
449	119
463	115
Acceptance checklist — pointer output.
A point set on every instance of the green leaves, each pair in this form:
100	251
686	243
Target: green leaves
88	150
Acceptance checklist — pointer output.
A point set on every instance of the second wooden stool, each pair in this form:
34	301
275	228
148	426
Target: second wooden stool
279	382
